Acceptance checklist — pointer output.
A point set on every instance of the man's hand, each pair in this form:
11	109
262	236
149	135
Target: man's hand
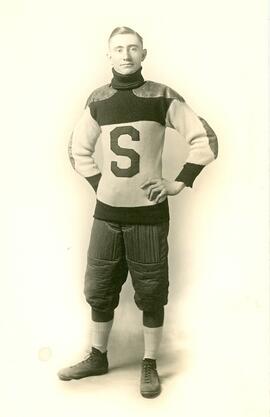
157	189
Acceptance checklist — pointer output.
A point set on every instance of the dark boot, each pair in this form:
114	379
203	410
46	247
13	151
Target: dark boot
95	364
150	384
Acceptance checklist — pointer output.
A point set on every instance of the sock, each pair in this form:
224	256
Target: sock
100	334
152	339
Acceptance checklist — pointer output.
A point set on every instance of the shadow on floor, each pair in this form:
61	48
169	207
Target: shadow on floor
170	363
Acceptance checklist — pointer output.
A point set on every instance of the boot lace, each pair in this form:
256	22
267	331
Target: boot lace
147	371
89	356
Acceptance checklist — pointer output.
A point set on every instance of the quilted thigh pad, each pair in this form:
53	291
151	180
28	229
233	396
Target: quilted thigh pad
106	269
146	249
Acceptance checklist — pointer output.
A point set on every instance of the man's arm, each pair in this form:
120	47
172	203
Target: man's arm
198	134
82	146
203	150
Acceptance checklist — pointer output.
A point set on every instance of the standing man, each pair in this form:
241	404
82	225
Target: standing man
131	218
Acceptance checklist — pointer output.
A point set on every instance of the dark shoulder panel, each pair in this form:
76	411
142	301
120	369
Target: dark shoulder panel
101	93
151	89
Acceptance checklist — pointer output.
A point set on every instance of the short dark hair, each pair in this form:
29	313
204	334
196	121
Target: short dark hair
121	30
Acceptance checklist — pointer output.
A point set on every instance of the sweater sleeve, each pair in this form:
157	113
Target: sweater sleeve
82	146
198	134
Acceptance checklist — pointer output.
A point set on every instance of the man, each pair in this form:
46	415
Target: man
131	219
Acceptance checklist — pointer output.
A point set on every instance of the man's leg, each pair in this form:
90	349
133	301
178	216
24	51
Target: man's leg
152	330
146	251
105	274
101	326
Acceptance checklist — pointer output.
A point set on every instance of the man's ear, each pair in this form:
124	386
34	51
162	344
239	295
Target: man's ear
108	55
144	54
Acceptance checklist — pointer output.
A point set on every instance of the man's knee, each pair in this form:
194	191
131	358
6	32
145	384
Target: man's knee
102	302
151	285
103	283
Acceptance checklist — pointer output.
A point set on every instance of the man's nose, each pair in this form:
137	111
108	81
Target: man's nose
126	54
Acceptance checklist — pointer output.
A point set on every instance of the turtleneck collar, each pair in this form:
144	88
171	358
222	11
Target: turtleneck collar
127	81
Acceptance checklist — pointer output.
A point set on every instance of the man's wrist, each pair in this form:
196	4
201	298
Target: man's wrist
178	186
189	172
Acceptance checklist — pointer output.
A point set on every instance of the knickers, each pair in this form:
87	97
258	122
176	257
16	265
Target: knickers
114	250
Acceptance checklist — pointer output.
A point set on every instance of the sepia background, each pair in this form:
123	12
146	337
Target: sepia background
214	355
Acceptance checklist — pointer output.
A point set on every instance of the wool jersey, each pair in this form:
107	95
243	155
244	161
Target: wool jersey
130	116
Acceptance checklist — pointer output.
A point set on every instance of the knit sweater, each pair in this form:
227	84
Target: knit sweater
130	116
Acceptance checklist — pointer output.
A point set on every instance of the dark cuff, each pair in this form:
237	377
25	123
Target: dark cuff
94	181
101	316
189	173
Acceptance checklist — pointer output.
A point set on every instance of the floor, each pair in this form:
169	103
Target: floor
194	384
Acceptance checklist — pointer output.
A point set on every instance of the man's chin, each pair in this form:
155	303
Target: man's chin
127	70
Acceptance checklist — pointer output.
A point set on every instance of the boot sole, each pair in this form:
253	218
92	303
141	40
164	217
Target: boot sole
66	378
151	394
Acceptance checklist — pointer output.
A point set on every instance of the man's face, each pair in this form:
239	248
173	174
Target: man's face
126	53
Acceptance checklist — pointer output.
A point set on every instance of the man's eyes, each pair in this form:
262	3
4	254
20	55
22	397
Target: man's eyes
133	49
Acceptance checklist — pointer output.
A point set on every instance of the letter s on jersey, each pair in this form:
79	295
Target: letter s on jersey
130	153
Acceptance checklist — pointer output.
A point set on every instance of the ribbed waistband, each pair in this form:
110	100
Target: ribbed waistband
157	213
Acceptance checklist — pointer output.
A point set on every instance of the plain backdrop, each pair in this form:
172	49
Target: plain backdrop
214	355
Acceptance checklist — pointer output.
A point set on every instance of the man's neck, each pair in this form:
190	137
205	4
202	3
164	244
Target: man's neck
127	81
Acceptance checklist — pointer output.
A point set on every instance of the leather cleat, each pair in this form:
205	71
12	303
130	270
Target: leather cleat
95	364
150	383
